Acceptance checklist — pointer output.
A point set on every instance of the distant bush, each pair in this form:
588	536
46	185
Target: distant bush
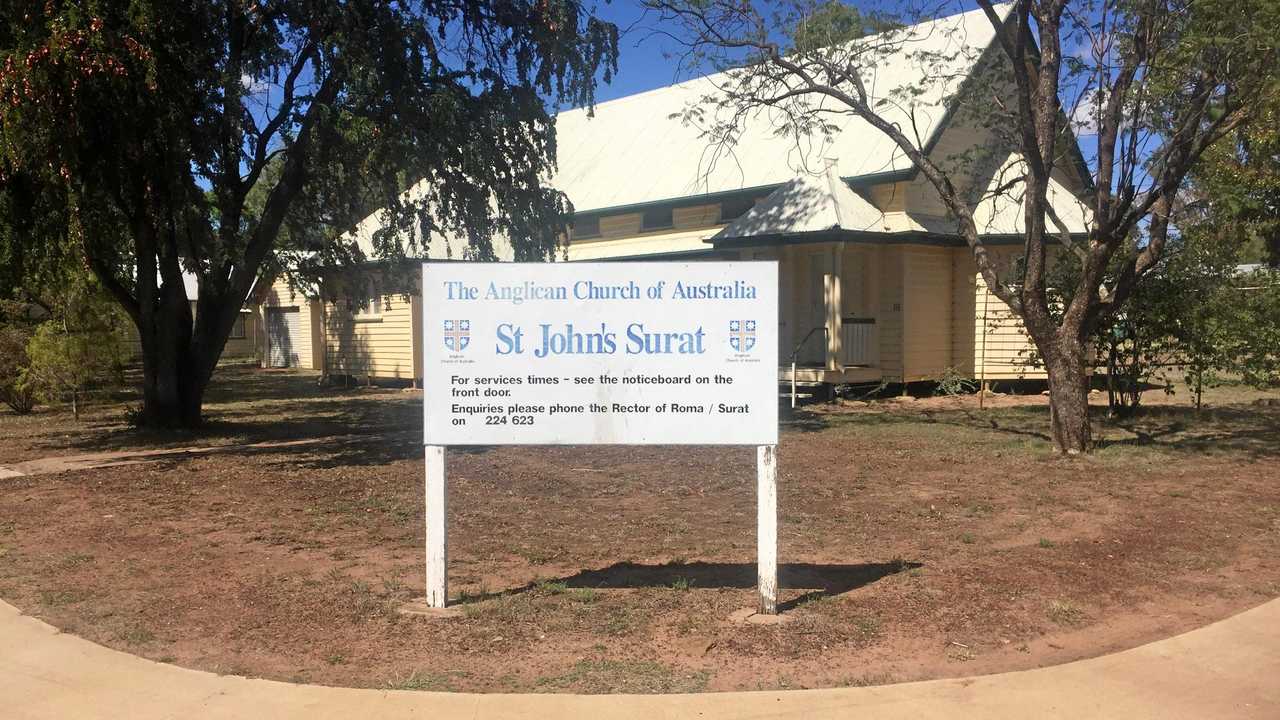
65	361
17	389
58	340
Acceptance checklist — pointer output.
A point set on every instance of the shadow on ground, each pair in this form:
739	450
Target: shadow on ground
317	412
819	579
1250	430
248	405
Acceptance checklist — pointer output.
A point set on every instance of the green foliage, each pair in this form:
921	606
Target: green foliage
453	94
145	139
1194	311
551	587
1134	346
953	382
1205	318
80	346
1197	317
1251	313
1236	186
833	22
16	387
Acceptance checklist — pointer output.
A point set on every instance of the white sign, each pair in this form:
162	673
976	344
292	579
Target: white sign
600	353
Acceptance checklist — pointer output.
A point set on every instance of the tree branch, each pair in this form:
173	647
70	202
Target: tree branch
261	157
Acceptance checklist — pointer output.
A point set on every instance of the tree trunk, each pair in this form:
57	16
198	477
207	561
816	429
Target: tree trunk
1112	369
1199	390
1068	397
172	396
173	380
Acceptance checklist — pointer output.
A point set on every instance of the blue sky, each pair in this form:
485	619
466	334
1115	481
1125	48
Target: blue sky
645	58
645	61
642	64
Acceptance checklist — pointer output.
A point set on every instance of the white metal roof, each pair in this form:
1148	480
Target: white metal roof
806	203
449	246
633	151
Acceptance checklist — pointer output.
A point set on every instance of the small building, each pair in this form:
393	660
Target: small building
373	324
242	344
292	326
876	284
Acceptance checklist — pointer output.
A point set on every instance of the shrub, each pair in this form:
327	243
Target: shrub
17	389
64	362
953	382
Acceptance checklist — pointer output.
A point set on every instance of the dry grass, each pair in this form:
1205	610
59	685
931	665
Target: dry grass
924	539
625	676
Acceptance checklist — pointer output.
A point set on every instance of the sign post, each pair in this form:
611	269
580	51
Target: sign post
650	353
767	527
437	519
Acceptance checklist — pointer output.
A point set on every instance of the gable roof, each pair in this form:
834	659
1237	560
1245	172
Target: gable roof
633	151
806	203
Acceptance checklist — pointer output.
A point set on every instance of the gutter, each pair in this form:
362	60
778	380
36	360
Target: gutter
910	237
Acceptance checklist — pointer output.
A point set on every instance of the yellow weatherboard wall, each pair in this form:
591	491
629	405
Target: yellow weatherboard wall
621	236
247	346
927	312
377	346
989	342
679	241
889	318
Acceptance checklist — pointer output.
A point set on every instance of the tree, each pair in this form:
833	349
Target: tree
16	387
1199	308
78	345
1182	316
1235	190
64	362
1158	81
1197	314
132	133
833	22
1255	357
1135	344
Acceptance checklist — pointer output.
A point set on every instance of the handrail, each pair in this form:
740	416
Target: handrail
795	353
800	345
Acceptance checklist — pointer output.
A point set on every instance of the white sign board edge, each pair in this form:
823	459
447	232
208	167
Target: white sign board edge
487	324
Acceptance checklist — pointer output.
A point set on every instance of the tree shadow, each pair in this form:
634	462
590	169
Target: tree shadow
1007	421
1249	430
805	421
819	579
300	419
374	449
247	404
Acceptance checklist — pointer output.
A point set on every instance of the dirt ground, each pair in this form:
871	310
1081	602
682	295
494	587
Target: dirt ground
919	539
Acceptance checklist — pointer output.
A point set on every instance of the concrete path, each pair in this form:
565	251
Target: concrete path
1230	669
